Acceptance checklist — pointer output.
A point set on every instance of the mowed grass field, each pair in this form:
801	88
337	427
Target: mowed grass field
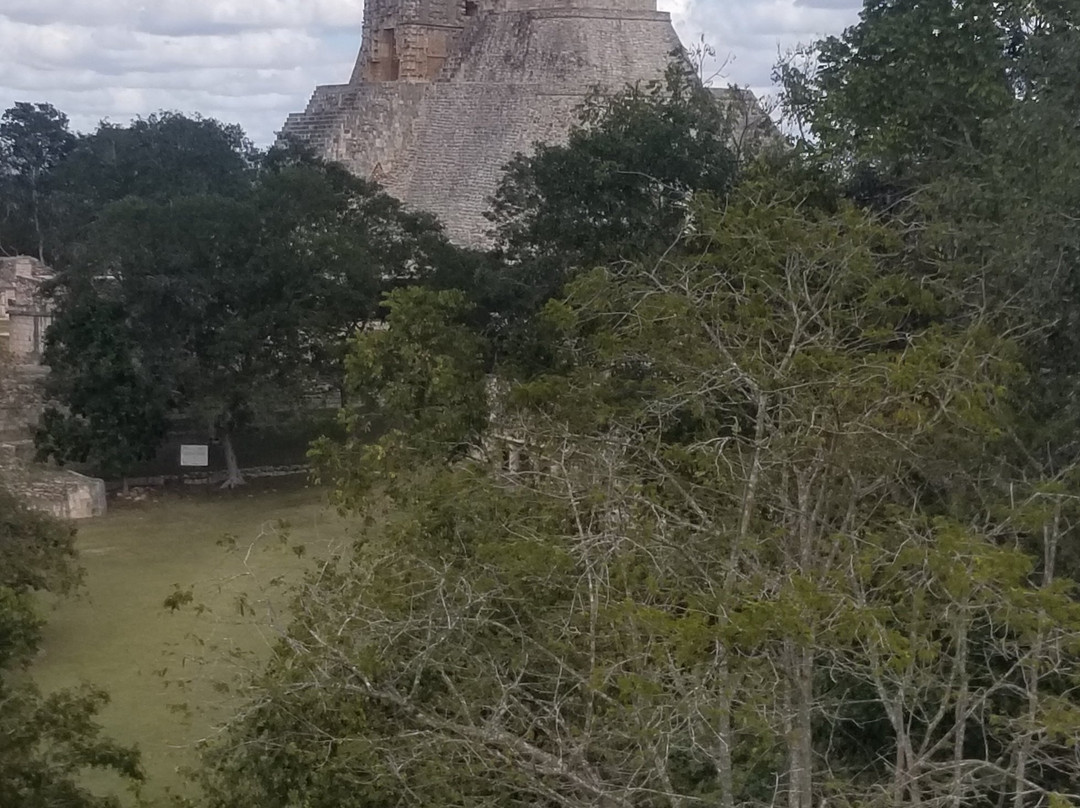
172	672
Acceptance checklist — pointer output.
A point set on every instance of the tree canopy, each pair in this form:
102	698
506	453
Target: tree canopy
619	188
959	119
213	283
34	139
774	519
723	553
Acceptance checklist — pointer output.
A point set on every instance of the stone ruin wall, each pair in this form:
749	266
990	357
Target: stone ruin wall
22	401
410	40
513	74
63	493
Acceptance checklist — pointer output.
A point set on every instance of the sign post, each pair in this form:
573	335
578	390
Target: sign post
196	455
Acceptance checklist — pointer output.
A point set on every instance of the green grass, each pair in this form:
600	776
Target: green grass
171	673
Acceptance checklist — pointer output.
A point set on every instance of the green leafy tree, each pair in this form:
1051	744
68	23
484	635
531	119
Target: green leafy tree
114	409
159	304
618	189
418	384
959	118
34	139
354	244
223	308
159	157
911	83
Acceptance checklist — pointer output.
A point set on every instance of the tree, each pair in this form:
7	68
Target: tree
114	407
975	147
224	308
720	553
419	384
46	742
354	243
157	306
160	157
618	189
34	139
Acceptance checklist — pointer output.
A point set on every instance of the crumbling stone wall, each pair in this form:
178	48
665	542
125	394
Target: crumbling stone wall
64	494
21	400
60	492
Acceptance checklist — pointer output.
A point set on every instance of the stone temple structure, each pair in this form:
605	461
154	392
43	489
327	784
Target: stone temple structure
444	92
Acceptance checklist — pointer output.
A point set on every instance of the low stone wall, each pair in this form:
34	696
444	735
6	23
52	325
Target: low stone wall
213	477
65	494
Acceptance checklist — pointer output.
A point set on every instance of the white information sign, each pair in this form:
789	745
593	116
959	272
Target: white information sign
195	455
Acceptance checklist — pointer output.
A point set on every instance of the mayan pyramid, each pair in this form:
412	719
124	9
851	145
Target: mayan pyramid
444	92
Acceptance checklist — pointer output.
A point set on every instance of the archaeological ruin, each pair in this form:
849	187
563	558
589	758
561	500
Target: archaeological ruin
444	92
24	316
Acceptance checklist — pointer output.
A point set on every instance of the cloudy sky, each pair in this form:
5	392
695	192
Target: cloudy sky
253	62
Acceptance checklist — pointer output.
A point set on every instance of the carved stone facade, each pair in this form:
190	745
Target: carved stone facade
444	92
24	314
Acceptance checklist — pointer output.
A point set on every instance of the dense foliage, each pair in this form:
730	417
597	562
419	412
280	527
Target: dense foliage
34	139
618	189
725	554
203	280
961	118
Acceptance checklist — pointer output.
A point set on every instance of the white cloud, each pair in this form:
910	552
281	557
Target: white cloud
182	17
749	36
254	62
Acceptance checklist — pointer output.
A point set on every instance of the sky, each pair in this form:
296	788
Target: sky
253	62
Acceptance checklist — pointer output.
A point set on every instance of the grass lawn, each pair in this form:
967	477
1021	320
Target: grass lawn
171	672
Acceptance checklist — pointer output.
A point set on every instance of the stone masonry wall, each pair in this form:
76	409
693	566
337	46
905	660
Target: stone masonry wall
21	401
64	494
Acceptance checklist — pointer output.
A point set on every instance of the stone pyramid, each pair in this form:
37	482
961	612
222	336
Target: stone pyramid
444	92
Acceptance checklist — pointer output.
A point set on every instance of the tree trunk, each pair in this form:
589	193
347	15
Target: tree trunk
233	478
724	735
1031	671
800	738
960	720
36	217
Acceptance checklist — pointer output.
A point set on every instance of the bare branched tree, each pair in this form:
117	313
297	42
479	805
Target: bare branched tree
721	557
